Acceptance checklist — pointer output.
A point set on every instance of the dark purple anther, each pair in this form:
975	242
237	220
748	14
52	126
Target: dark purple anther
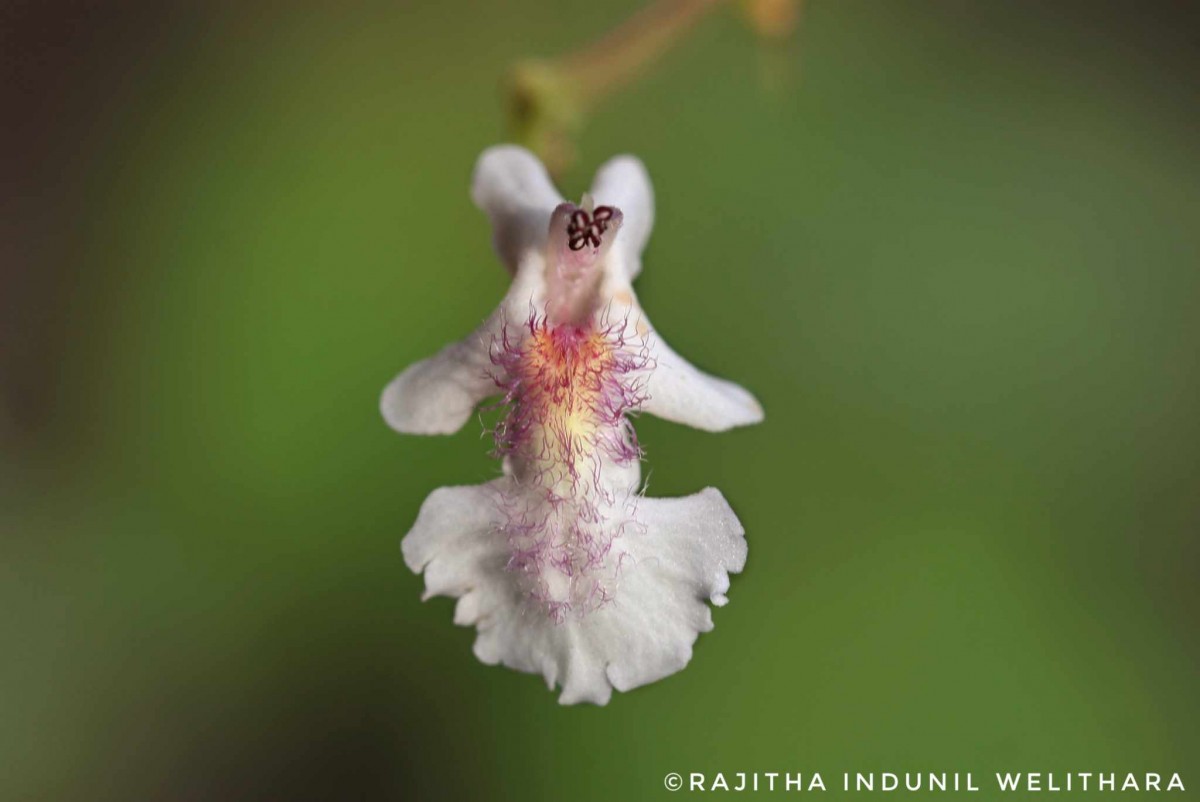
584	228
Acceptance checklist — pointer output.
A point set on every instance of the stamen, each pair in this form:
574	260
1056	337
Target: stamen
587	229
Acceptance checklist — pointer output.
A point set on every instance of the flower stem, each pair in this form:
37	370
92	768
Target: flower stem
618	57
548	100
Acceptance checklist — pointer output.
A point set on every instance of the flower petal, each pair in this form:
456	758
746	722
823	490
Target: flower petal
624	183
680	392
701	540
437	395
513	188
677	390
646	632
455	532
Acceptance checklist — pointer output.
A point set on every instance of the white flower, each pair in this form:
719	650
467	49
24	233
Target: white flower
562	565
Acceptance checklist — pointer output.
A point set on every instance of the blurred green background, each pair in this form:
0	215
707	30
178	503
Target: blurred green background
951	246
